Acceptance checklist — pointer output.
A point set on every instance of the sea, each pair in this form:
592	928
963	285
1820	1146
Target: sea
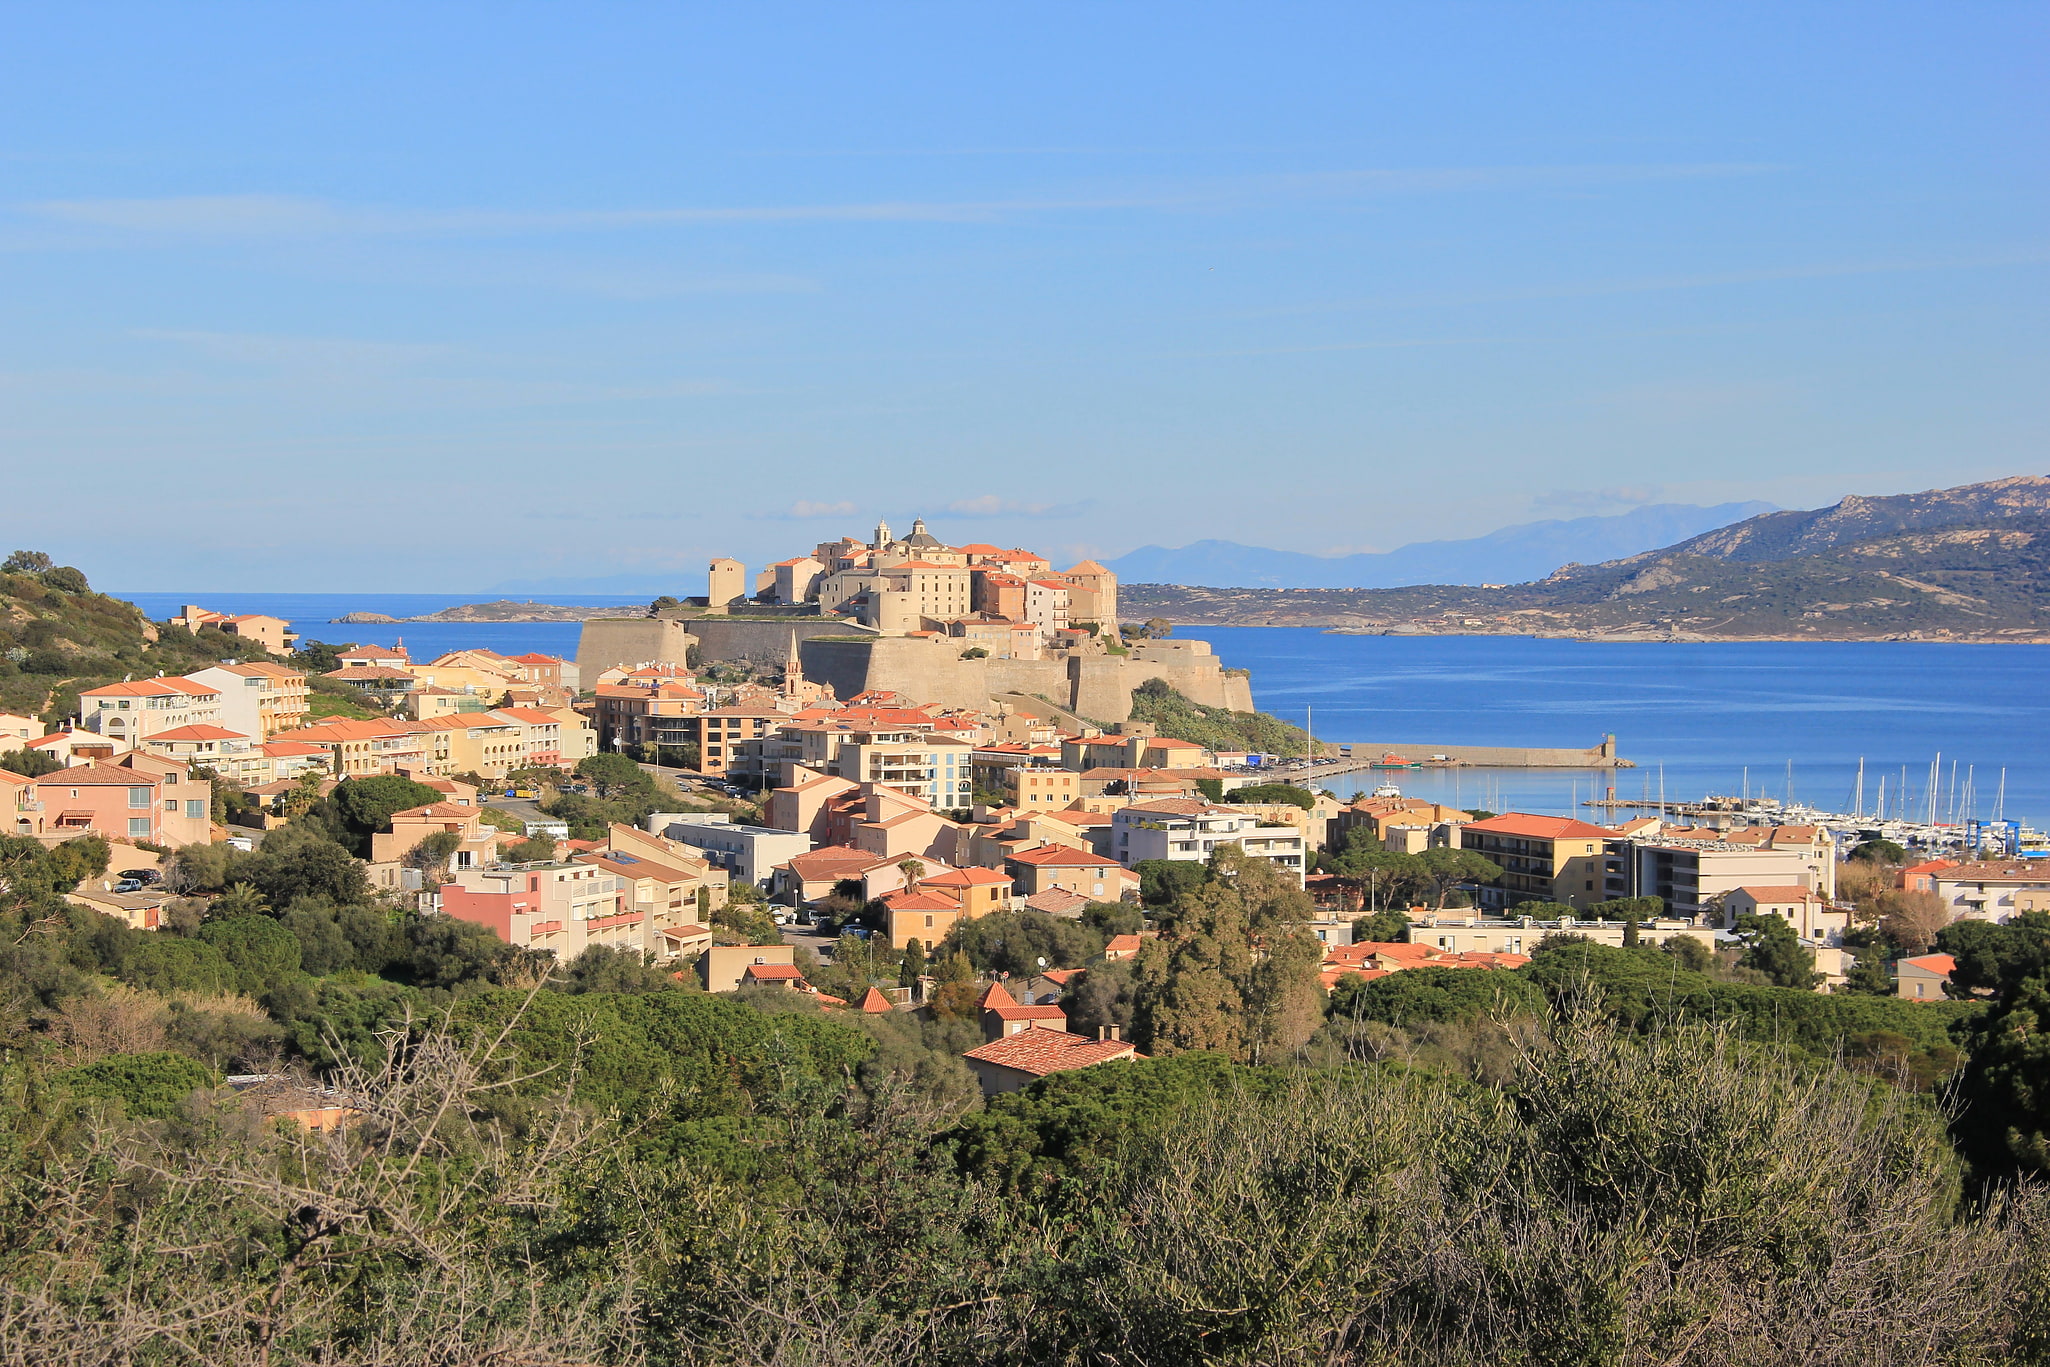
1784	719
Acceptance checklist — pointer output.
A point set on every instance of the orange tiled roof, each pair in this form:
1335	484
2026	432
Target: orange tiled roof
1040	1051
1532	827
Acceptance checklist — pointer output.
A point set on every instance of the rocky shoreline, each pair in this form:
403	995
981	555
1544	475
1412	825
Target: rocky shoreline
502	610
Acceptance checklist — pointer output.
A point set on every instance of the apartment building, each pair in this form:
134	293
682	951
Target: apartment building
1806	910
1191	829
1691	875
1543	859
561	907
230	754
259	700
272	634
1095	876
748	853
1992	890
1033	789
132	712
139	798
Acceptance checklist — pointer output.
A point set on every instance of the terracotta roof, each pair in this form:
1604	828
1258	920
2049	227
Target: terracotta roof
366	673
1039	1051
774	972
1532	827
200	732
1057	902
1997	870
996	996
919	901
98	775
1061	857
1934	963
875	1003
151	688
834	859
1123	944
440	809
1018	1011
1782	893
964	878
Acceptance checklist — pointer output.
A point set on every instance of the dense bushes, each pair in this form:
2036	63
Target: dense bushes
1674	1198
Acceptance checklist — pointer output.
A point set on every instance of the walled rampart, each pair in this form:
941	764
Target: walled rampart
930	669
1601	756
606	642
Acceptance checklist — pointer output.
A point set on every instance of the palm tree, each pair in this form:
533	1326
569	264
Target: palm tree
913	870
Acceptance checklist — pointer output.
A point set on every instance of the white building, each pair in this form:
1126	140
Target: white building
745	852
137	709
1190	829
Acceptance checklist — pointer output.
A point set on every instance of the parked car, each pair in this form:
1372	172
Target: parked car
143	876
241	842
129	885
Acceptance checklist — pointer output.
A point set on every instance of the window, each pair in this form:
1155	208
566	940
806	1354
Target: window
138	826
138	797
171	805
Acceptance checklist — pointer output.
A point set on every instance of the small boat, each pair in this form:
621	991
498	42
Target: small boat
1394	761
1387	790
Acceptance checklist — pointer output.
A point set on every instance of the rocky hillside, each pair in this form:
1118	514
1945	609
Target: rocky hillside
57	636
1958	564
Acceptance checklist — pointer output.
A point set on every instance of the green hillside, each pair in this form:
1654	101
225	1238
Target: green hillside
1984	579
57	636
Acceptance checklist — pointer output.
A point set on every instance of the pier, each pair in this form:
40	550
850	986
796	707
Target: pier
1345	757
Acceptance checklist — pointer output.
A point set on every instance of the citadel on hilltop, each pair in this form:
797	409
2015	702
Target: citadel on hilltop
954	625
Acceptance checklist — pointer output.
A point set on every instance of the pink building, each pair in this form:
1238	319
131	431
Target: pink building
120	803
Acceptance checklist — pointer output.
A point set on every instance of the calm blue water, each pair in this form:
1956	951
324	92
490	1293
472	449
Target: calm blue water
312	614
1705	713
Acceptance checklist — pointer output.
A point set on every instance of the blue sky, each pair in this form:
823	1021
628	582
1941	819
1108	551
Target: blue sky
435	296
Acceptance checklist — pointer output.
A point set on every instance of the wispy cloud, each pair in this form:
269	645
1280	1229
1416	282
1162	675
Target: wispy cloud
1583	502
807	508
277	216
1594	289
994	505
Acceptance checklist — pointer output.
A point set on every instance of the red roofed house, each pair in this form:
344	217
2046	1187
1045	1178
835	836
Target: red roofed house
1021	1059
1543	859
1094	876
1922	978
1807	911
137	709
1002	1016
920	915
1922	877
1123	946
273	634
411	827
123	801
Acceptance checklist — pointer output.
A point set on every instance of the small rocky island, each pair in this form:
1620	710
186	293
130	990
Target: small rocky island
502	610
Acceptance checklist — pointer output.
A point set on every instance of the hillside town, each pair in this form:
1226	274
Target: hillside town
740	825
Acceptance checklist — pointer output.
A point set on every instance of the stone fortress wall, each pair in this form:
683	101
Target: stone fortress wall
928	668
884	648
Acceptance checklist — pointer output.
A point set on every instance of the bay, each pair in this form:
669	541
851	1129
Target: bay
1708	717
312	616
1703	718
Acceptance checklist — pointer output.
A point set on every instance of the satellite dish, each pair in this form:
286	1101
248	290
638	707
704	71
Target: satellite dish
1042	961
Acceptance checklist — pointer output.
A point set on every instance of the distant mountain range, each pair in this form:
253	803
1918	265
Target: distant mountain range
677	582
1512	555
1970	563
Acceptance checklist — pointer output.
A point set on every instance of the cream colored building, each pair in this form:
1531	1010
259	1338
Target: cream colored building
133	711
258	700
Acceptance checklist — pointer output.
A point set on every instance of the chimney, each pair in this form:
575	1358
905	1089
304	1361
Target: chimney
1113	1033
